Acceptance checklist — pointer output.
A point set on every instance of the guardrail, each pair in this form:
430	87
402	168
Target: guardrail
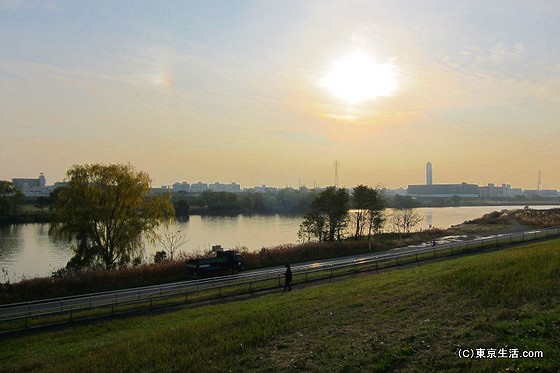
62	310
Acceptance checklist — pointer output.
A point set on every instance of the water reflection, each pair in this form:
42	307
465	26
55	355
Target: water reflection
429	218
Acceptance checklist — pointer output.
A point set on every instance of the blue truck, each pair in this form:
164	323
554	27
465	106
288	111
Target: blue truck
225	262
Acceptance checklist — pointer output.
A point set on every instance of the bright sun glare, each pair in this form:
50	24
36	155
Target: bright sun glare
358	78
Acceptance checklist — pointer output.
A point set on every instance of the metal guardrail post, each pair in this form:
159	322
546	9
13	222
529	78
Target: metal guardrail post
376	264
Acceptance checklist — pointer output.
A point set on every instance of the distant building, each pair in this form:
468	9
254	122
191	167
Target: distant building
198	187
22	183
181	187
429	173
394	192
33	187
503	191
545	193
263	189
232	188
229	188
164	189
444	190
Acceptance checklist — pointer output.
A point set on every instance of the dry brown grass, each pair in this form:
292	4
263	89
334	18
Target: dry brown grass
92	281
539	218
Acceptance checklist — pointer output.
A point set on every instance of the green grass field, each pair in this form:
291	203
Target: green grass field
413	319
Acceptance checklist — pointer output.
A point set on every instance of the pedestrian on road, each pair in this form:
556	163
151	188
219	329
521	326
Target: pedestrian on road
288	278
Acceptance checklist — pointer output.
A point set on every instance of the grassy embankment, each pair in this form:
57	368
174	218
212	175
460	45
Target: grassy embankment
407	320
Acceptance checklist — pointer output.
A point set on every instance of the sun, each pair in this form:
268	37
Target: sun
358	78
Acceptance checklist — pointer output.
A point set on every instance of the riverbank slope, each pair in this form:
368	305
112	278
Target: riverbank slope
417	319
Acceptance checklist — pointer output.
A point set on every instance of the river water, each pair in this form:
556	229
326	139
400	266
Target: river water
26	250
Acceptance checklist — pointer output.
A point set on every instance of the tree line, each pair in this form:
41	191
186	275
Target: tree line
284	201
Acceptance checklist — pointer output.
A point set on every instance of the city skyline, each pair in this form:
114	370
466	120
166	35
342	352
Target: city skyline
231	186
268	92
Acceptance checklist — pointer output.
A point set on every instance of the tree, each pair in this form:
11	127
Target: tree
10	198
313	226
182	209
404	220
160	257
171	239
107	210
369	206
404	202
328	216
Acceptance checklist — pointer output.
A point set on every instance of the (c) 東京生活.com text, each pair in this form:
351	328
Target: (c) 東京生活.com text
498	353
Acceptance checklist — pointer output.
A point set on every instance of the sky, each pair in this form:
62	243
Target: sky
276	92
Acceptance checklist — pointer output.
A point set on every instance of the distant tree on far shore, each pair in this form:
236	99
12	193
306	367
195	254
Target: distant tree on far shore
11	198
107	210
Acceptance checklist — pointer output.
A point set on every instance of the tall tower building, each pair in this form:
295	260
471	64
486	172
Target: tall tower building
429	173
42	180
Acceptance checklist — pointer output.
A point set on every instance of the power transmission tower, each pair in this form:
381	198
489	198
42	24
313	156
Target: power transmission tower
336	165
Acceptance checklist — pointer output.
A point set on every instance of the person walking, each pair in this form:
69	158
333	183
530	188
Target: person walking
288	278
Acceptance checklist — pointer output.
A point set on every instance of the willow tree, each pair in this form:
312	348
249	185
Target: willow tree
106	210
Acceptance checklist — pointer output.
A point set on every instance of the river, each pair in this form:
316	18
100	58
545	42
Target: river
26	250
